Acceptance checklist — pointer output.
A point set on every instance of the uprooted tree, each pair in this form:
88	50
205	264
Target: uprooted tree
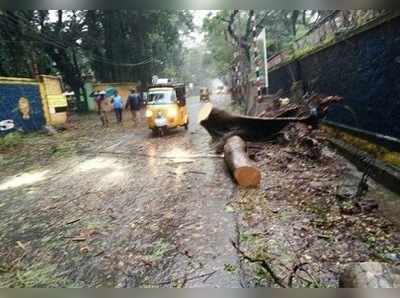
233	130
221	124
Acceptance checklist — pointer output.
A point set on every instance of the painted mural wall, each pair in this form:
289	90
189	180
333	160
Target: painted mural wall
20	106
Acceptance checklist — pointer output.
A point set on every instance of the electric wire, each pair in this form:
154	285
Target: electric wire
59	44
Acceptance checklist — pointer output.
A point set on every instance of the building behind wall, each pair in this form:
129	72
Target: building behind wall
123	89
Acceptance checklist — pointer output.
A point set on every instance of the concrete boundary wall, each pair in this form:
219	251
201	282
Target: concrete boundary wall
363	67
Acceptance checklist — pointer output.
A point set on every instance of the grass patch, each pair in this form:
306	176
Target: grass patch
160	248
11	140
320	215
35	276
230	268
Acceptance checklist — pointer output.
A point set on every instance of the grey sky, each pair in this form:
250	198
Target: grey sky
196	38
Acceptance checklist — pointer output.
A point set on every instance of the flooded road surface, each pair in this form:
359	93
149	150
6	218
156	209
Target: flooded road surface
130	210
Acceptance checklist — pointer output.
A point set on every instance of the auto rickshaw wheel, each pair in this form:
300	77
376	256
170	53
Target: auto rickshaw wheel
186	125
162	131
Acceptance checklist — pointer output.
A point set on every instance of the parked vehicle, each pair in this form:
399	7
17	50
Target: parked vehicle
204	94
220	90
166	108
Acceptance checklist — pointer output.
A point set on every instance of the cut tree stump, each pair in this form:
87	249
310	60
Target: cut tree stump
243	169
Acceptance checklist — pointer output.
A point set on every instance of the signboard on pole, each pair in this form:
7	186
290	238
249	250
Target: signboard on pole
263	35
261	43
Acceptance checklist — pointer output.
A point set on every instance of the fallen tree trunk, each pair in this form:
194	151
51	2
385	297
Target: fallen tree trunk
221	124
243	170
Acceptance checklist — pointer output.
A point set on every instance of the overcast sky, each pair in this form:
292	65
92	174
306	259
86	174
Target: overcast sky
193	40
196	37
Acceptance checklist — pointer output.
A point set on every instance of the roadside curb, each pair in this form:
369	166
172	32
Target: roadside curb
380	171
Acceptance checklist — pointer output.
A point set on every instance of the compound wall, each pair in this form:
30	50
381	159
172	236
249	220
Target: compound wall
363	67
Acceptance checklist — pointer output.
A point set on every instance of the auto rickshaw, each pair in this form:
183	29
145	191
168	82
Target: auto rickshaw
166	108
204	94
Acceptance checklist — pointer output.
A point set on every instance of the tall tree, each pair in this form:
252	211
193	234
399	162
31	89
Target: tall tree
111	45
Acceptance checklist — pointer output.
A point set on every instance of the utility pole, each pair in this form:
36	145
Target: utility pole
35	68
264	36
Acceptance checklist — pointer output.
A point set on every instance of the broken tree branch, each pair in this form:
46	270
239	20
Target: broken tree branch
230	26
293	273
220	123
185	279
263	264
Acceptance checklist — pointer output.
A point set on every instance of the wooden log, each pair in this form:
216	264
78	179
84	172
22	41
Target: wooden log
243	169
221	124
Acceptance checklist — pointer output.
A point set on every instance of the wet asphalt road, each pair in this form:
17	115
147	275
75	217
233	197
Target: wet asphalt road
150	212
181	169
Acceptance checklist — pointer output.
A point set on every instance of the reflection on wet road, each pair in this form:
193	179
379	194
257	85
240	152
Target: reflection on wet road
187	189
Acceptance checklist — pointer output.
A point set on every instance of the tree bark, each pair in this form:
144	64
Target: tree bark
221	124
243	170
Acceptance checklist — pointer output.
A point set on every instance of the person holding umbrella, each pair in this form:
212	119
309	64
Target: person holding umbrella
100	97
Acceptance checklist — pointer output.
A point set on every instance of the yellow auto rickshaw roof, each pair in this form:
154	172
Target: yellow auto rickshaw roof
161	89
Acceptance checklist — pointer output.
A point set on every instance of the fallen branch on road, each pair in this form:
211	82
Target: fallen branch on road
263	264
72	221
173	162
134	154
276	279
185	279
195	172
294	271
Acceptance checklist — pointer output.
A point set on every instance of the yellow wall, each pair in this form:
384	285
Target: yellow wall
11	80
53	85
51	94
52	98
123	88
379	152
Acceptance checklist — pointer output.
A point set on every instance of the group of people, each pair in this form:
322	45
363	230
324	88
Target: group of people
133	103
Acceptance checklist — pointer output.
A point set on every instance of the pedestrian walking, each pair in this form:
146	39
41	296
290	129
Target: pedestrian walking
100	97
117	104
133	103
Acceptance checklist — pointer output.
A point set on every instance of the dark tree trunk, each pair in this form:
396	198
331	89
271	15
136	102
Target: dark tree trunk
293	19
222	125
